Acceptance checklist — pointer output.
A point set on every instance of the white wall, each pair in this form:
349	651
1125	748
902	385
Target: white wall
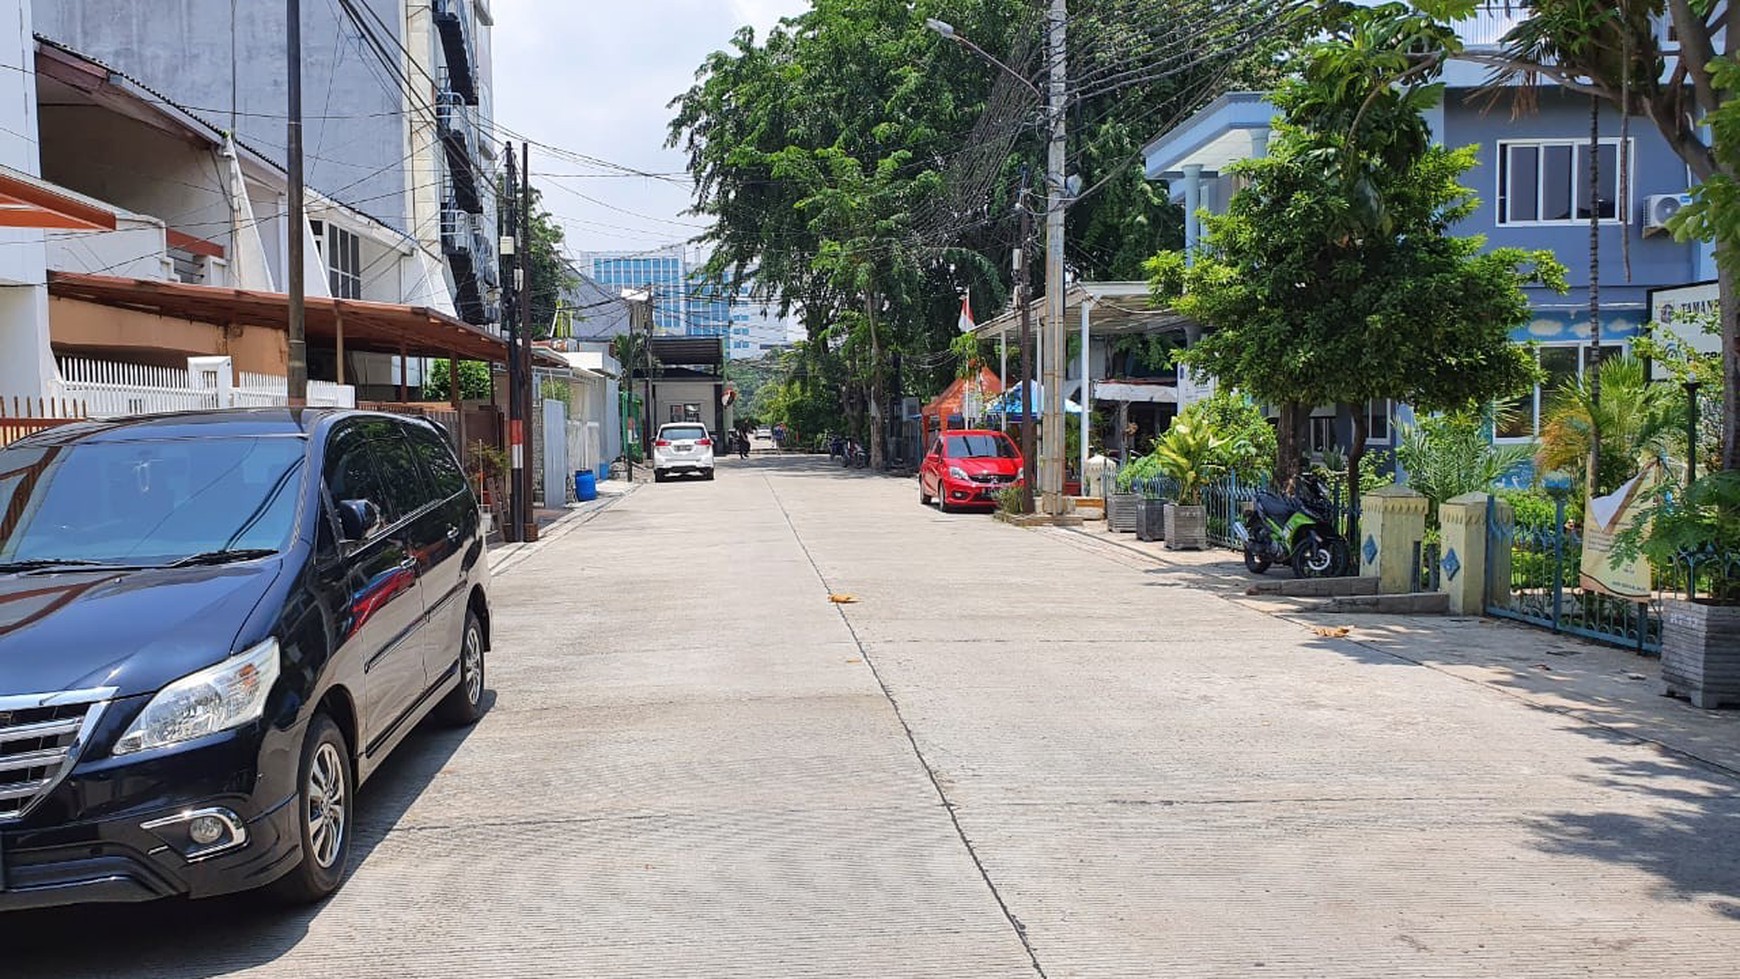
134	250
26	360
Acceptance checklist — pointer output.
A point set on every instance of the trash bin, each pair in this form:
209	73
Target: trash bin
585	485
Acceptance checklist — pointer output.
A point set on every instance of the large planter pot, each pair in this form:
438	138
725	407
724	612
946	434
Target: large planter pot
1186	527
1121	512
1700	652
1150	519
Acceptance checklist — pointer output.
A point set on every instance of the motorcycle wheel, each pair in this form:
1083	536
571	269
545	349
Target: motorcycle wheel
1314	558
1255	563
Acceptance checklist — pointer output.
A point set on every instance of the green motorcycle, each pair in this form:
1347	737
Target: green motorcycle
1298	531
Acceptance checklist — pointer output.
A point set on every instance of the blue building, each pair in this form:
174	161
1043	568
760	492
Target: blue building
665	271
1532	182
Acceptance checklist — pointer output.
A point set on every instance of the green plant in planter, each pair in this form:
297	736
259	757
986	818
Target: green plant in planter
1186	455
1697	529
1010	500
1141	467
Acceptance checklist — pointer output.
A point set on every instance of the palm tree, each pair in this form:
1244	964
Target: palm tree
1630	420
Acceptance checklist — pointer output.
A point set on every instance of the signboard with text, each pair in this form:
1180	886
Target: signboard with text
1679	314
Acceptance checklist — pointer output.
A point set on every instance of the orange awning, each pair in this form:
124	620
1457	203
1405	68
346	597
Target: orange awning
30	202
388	328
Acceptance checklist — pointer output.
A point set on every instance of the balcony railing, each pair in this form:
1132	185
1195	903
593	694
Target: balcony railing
1490	23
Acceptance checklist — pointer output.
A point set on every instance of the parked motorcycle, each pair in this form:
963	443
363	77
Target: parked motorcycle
1294	530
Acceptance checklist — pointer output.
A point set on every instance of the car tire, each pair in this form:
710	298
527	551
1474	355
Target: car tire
708	475
942	502
463	705
658	476
323	778
923	497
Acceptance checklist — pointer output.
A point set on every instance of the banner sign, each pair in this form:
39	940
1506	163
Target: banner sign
1605	518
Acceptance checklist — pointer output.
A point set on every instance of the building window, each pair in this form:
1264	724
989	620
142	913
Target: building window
1521	419
1322	436
342	252
1547	182
1377	422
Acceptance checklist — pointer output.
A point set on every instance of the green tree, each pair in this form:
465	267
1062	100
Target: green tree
474	381
549	276
1452	453
1635	420
863	170
1332	278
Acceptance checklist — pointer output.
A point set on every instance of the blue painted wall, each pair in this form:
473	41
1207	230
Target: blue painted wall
1656	261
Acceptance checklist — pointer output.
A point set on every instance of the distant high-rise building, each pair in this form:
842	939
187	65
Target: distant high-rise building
665	270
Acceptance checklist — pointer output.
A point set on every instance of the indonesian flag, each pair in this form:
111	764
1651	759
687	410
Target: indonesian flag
967	323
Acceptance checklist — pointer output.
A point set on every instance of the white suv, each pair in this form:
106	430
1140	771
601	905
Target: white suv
682	447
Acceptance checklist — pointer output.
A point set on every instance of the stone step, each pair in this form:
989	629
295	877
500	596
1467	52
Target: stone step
1314	587
1412	603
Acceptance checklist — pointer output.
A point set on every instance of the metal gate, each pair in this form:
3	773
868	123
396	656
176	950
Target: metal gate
1542	585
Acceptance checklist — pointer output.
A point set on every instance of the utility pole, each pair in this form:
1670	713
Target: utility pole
1024	296
297	382
523	286
1052	472
510	314
646	359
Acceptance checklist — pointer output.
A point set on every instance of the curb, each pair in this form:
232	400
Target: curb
510	556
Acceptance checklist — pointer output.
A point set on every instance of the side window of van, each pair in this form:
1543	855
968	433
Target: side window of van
398	466
438	461
350	469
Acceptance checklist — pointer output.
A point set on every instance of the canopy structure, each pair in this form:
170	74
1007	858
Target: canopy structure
952	401
1009	404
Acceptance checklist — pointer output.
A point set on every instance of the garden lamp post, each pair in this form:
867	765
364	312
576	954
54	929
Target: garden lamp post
1692	430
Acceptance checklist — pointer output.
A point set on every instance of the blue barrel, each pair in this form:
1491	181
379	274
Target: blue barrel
585	485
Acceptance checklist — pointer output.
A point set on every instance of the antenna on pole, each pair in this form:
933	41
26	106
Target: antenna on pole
296	384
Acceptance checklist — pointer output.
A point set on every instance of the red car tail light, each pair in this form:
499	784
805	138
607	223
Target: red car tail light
662	443
703	441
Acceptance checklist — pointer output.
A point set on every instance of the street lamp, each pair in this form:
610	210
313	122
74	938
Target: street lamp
1051	473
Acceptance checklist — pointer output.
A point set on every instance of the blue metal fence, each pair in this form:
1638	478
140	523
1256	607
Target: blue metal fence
1544	586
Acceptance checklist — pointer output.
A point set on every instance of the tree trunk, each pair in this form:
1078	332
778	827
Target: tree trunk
878	431
1355	456
1287	443
1593	476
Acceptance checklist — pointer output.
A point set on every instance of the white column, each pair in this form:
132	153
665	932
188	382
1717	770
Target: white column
1087	398
1259	143
1192	202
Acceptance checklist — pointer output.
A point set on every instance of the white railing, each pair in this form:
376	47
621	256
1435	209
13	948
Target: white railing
1490	23
111	389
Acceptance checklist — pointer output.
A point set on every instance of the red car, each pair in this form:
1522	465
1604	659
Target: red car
967	468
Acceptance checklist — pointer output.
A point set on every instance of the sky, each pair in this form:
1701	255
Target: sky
595	77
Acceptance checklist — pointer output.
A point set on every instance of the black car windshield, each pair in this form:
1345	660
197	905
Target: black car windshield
979	447
149	501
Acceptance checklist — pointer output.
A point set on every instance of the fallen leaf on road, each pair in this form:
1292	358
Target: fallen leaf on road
842	600
854	661
1331	632
1543	666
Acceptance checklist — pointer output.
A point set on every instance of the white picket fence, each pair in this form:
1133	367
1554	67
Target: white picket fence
110	389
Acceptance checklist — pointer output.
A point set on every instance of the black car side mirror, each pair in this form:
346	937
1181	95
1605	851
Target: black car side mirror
359	519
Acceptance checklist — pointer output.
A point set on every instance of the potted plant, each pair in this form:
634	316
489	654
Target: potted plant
1697	535
1127	493
1185	455
1151	509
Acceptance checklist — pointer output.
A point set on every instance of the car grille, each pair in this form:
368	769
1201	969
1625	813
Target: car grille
40	738
991	479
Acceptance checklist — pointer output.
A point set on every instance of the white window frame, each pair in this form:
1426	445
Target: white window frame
1502	199
1537	399
337	246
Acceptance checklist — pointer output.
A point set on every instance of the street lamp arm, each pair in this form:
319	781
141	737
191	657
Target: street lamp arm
948	31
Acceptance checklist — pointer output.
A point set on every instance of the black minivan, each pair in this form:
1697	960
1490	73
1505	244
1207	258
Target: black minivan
213	627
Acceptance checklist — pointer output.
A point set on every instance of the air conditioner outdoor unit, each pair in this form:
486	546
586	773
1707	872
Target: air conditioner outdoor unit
1658	208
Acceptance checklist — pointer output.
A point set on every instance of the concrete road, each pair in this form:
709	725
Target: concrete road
1014	754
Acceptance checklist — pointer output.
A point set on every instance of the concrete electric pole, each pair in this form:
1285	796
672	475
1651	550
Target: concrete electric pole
1052	444
296	384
